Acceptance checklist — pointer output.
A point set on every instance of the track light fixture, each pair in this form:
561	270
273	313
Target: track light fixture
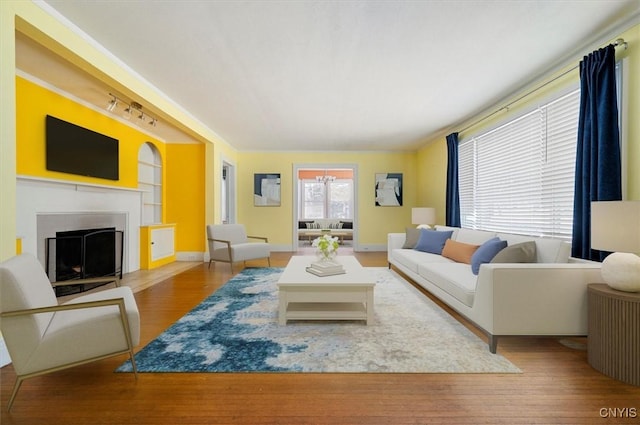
112	104
129	109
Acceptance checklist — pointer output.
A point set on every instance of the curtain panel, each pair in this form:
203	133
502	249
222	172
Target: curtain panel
598	162
453	190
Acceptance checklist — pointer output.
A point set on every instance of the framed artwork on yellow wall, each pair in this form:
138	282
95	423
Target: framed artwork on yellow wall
266	189
388	187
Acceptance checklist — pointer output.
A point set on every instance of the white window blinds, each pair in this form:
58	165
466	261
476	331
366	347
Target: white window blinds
518	178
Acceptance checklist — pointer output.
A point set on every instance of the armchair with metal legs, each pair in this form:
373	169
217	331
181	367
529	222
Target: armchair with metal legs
43	336
229	243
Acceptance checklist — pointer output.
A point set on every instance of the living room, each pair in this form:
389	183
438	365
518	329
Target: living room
192	200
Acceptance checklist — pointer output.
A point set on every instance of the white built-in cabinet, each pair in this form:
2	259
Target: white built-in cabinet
162	242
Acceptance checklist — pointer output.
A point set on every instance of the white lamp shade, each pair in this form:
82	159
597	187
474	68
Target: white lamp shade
615	226
423	216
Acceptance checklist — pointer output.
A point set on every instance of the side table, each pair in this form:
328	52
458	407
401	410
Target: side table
614	333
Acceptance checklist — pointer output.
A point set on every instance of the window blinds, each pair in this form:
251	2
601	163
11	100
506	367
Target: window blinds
518	178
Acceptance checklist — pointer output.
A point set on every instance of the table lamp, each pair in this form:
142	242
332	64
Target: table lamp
423	217
615	227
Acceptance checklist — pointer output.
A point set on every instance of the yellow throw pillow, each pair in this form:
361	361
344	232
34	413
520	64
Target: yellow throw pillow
458	251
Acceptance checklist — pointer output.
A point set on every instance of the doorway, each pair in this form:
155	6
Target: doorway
324	198
227	193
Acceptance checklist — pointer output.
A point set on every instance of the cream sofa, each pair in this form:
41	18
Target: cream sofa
547	297
311	229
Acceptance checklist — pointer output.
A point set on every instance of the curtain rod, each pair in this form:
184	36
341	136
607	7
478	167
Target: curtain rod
618	43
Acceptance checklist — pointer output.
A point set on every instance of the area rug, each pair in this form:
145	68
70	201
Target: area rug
236	330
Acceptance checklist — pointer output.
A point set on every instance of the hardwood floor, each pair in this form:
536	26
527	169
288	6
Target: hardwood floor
557	385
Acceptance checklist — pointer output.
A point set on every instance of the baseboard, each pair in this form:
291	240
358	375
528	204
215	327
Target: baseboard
190	256
370	248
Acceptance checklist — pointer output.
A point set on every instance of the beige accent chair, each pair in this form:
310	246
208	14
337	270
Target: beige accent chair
43	336
229	243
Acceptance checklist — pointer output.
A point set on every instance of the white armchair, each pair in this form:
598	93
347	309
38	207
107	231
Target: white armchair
43	336
229	243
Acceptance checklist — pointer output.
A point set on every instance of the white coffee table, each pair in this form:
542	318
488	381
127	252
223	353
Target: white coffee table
304	296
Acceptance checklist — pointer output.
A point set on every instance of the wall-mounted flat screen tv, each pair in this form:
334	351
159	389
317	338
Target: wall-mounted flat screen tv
76	150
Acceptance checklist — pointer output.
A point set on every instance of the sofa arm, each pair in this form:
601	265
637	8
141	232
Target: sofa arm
534	299
394	241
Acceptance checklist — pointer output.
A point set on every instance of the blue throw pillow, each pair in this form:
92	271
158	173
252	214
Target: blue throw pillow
432	241
486	252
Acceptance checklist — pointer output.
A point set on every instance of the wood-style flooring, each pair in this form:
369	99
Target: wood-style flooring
557	385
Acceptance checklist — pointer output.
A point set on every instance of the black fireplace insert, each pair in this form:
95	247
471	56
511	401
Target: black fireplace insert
82	254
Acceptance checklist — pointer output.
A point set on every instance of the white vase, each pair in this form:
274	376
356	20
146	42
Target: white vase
326	255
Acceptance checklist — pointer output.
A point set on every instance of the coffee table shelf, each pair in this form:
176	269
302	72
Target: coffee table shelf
304	296
326	311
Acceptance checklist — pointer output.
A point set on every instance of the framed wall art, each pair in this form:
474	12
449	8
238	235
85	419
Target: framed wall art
388	187
266	190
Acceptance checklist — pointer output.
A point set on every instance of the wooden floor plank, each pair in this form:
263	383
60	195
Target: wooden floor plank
557	386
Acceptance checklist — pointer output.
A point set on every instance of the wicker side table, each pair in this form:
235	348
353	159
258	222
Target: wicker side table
614	333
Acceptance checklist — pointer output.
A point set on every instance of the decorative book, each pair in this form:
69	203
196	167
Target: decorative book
325	268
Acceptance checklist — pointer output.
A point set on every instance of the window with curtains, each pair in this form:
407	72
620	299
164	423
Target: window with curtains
331	199
518	178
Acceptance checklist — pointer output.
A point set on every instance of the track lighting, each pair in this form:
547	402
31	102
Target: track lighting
129	109
112	104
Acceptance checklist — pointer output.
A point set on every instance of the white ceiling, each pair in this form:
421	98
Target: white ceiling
337	75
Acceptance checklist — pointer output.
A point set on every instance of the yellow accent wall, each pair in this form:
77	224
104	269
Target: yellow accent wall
185	189
183	165
373	223
34	103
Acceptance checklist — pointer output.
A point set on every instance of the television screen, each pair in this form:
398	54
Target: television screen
77	150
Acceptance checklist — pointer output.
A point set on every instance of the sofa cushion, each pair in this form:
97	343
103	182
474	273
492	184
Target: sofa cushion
313	225
458	251
548	250
524	252
456	279
486	252
411	258
432	241
411	238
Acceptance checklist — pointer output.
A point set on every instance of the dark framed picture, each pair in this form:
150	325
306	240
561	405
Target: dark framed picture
266	189
388	189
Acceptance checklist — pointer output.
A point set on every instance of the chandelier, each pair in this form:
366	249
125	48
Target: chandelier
325	179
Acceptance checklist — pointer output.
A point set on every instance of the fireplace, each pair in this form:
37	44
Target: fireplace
82	254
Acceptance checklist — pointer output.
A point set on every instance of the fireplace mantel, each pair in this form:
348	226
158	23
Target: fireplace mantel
76	205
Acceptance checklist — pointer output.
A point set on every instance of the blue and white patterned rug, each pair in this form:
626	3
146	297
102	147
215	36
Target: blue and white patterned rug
236	330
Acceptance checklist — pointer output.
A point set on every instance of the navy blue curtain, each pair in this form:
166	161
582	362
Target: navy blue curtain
598	169
453	193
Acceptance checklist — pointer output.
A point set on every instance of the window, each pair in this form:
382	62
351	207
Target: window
518	178
331	199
